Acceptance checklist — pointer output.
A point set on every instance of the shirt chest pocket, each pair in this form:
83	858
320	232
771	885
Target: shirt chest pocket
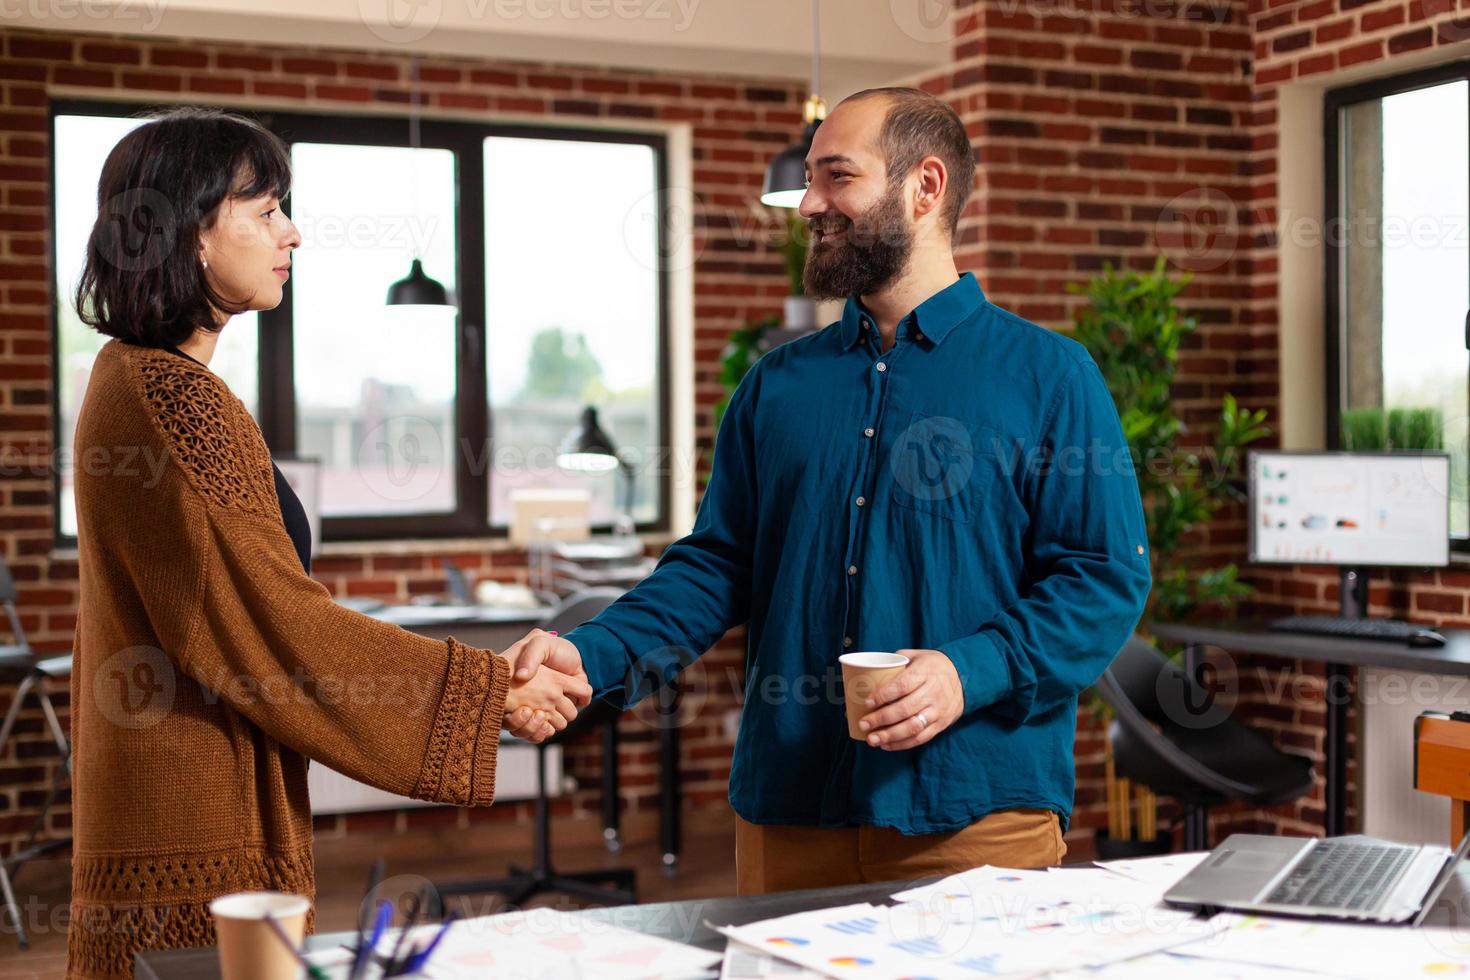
944	466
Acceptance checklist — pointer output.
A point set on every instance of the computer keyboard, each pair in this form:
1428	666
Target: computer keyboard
1342	875
1360	629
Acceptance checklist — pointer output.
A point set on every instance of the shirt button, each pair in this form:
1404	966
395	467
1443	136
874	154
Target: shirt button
882	367
861	501
918	336
868	432
1140	549
847	641
852	569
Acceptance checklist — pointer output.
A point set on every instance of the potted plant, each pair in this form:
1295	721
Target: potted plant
1133	328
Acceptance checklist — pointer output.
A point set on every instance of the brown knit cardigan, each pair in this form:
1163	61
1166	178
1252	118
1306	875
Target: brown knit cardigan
209	667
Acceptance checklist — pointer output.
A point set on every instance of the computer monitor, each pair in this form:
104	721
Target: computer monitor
1357	510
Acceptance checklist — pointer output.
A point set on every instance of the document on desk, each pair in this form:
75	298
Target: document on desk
744	962
545	944
990	922
1163	871
1369	952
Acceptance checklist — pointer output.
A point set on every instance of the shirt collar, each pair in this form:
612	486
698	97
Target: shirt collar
932	319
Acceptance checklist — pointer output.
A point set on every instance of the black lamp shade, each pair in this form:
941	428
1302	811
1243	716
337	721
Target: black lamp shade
417	289
587	448
786	175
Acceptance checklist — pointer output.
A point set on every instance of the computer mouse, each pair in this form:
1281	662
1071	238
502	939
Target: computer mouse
1426	638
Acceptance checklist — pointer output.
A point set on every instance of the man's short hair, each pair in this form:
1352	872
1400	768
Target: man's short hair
919	125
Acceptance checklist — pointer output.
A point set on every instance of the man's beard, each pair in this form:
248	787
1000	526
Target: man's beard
874	250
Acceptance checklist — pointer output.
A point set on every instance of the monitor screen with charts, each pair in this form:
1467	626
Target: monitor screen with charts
1358	509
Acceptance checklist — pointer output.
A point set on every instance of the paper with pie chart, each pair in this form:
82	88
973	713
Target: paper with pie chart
990	922
1365	952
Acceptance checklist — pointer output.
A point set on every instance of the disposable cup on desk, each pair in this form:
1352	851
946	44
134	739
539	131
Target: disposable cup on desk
862	674
247	949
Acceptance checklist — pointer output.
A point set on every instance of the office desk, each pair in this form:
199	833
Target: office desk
1339	654
685	922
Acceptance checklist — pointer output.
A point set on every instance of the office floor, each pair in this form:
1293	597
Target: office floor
707	868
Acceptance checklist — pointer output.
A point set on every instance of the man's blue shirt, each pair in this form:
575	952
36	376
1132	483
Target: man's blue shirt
969	490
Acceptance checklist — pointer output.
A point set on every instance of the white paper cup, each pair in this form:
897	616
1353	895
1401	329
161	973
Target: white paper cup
248	949
862	674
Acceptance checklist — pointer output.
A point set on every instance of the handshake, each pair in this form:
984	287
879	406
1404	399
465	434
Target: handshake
547	686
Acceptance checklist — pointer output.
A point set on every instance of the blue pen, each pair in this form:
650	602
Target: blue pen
419	959
365	954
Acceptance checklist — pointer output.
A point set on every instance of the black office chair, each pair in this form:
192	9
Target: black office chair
28	672
1170	735
613	886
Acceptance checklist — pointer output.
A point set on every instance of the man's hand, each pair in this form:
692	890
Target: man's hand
538	648
916	705
544	702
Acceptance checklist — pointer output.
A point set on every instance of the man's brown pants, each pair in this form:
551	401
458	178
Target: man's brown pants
777	858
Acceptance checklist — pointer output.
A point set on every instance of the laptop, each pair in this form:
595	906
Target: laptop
1356	878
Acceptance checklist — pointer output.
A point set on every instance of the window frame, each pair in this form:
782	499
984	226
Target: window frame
1334	101
276	397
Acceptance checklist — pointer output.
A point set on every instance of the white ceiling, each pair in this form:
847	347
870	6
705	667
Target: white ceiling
864	42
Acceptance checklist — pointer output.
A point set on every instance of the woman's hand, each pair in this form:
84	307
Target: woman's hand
545	703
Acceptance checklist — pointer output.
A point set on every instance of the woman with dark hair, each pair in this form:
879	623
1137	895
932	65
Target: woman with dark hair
209	665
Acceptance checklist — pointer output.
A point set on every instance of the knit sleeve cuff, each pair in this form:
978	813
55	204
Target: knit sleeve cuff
459	766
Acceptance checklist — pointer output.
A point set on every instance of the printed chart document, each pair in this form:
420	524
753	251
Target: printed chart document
985	922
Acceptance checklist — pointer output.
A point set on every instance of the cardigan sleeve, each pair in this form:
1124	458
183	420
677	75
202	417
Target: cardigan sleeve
232	607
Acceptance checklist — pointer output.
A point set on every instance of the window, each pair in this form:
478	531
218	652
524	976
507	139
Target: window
425	420
1399	263
555	347
374	384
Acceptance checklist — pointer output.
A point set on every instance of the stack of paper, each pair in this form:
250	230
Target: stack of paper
545	944
986	922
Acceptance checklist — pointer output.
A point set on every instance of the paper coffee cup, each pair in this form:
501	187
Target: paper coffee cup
862	674
248	950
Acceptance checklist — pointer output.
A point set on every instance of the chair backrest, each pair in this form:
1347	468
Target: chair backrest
579	607
1154	699
8	595
7	583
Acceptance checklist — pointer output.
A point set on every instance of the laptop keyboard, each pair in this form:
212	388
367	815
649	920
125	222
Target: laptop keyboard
1343	875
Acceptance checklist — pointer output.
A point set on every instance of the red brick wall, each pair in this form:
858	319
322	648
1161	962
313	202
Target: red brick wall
1106	131
1120	130
736	126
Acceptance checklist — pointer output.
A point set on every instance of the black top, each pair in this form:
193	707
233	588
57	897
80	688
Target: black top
293	515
